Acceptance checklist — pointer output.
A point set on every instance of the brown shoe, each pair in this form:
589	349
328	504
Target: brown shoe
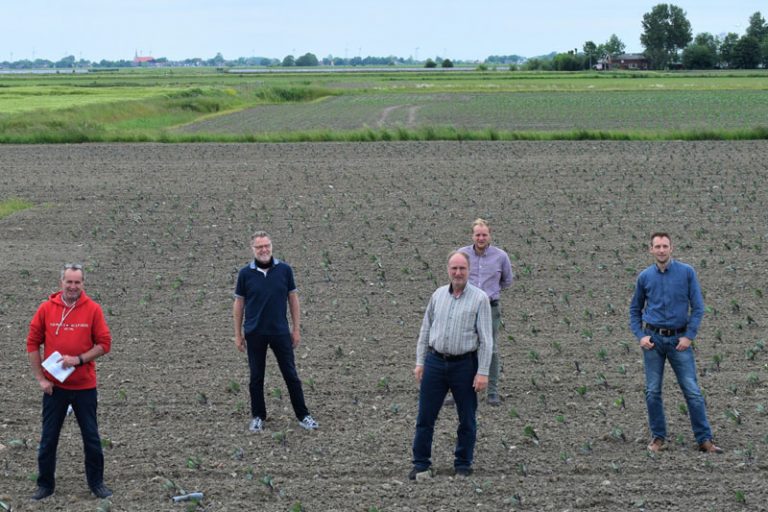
709	447
656	445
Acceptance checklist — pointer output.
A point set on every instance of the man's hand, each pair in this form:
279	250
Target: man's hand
683	343
645	343
418	372
295	338
481	382
240	343
69	361
46	386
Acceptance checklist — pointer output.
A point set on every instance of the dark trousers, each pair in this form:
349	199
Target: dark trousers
83	402
257	355
439	377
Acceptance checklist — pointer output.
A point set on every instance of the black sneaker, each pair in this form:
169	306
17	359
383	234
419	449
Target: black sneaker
41	493
462	472
101	491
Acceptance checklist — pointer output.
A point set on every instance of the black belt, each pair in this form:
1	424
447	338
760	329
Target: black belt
450	357
664	331
494	303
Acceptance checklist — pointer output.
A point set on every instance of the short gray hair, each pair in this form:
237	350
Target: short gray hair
260	234
73	266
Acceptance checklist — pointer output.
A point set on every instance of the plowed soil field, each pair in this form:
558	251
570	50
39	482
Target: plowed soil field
163	229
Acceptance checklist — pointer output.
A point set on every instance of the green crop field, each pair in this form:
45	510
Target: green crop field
540	111
177	105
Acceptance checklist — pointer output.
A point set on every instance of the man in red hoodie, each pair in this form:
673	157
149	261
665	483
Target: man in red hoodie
73	325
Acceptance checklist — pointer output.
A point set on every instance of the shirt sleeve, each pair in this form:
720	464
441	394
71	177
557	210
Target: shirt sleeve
484	326
426	325
636	309
36	336
240	285
290	281
696	300
507	276
100	333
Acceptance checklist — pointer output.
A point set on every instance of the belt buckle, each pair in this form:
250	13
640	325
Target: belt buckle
666	332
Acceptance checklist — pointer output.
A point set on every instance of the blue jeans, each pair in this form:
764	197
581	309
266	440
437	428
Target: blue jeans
257	357
54	412
684	366
439	377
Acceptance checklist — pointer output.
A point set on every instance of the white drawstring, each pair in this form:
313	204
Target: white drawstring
64	315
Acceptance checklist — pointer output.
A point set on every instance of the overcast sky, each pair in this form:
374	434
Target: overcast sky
466	29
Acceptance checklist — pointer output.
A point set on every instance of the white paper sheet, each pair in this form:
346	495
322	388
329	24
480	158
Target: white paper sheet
53	365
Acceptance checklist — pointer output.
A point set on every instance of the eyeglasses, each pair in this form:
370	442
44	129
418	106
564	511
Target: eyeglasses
73	266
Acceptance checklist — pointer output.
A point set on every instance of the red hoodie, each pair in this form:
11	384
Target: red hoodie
71	332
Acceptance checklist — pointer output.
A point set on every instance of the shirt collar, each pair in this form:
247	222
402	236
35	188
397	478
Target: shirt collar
275	262
450	291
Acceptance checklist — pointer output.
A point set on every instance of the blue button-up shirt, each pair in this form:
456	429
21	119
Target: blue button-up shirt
670	299
490	271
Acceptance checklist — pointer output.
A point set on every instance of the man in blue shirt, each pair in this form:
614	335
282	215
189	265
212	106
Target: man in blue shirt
664	315
263	288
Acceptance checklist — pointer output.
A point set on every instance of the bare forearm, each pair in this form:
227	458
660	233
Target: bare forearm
237	316
295	308
35	363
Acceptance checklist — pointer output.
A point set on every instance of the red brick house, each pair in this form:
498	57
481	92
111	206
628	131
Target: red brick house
142	61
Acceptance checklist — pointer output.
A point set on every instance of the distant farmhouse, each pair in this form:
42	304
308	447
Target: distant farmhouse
635	61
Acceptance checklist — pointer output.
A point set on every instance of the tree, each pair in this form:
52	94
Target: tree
308	59
567	62
614	46
218	60
591	53
66	62
430	64
708	40
726	49
666	30
447	63
699	56
757	27
702	53
764	53
746	53
288	61
536	64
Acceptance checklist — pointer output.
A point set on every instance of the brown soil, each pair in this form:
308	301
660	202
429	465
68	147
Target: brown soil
164	228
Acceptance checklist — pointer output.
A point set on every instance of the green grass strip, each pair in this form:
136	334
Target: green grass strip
13	205
379	135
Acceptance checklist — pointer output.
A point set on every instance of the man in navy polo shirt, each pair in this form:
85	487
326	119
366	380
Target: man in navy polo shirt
263	289
664	315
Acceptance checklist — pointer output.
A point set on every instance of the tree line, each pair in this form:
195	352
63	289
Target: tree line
669	43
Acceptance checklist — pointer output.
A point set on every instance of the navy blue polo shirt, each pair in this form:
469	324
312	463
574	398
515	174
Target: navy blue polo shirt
266	297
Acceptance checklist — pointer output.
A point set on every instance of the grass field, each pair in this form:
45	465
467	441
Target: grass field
204	105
